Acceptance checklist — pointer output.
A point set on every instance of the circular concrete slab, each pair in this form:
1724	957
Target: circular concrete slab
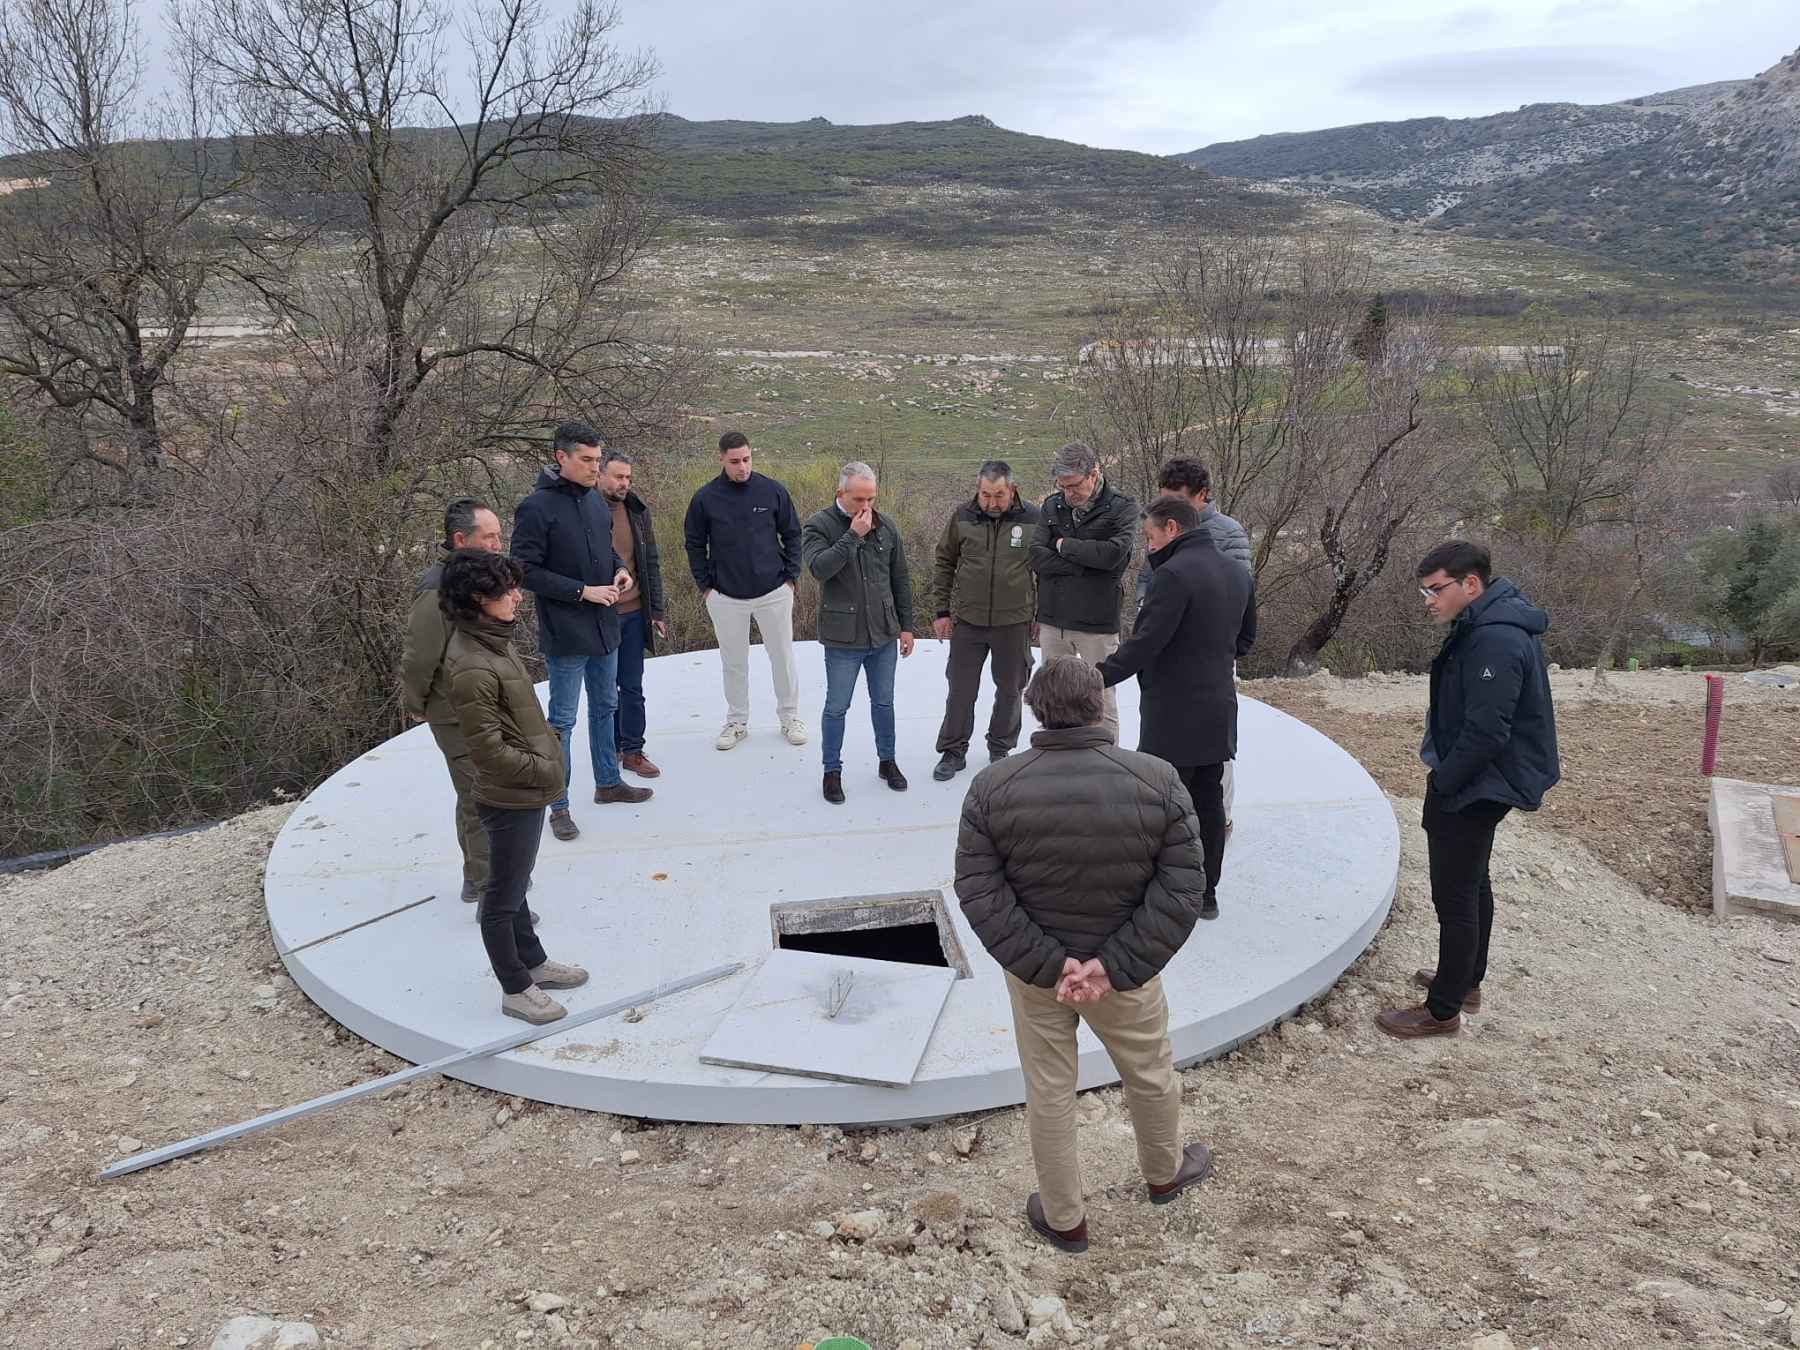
362	889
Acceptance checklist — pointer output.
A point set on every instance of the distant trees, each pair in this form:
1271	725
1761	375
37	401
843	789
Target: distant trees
1753	583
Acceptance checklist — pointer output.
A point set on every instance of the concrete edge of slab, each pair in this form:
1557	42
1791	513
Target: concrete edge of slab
1749	869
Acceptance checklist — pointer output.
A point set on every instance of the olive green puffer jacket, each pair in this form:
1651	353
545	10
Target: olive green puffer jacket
1078	848
983	575
518	758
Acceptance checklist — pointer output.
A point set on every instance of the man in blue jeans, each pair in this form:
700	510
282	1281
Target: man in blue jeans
640	608
865	616
563	539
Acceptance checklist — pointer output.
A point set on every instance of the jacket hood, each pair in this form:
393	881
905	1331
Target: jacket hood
1502	603
549	477
1160	556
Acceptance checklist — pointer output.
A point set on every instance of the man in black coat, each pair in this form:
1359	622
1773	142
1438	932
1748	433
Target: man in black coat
1490	747
563	540
642	610
1199	617
1080	550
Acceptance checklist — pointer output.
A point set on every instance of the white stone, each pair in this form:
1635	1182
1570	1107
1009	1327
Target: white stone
1046	1310
686	881
264	1333
546	1303
1749	868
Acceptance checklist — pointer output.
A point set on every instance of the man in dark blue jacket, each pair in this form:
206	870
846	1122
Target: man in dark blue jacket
563	539
1490	746
743	547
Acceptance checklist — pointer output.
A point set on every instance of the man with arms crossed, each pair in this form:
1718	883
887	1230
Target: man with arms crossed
743	547
1490	746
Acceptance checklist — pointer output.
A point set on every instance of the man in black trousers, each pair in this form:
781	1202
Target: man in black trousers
1199	617
1490	746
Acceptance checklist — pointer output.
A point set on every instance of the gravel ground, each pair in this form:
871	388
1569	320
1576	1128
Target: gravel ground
1606	1157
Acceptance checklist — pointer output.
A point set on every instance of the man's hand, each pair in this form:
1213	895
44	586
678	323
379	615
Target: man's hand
600	595
706	595
791	586
940	628
623	579
661	626
906	644
414	717
1059	540
1087	983
863	521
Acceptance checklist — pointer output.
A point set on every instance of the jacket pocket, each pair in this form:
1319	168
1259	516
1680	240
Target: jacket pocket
837	623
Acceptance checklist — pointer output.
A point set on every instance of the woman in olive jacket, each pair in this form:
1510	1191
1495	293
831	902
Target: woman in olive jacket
518	771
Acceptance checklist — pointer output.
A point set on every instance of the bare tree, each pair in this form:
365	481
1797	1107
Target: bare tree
479	174
106	247
1784	485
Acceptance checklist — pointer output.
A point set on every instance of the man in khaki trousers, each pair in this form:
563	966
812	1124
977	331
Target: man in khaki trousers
1079	867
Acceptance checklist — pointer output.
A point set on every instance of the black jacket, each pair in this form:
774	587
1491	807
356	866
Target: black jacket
743	539
1198	618
645	564
562	537
1079	587
1491	732
1078	848
865	589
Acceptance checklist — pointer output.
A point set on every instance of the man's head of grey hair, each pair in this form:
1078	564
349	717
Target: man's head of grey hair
995	471
1074	460
1066	692
853	470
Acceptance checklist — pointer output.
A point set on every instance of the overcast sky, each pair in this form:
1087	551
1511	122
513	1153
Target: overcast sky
1174	76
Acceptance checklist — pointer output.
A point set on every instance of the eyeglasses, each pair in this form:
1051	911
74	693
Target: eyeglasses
1431	592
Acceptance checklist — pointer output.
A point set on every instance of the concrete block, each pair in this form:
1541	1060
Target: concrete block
1750	872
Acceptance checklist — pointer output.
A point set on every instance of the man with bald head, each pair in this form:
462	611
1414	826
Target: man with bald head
865	616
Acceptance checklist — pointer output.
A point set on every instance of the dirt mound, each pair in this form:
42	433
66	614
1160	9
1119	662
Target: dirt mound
1607	1157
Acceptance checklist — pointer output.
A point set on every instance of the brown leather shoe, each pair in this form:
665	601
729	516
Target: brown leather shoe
639	763
1196	1167
620	792
1472	1003
1074	1241
563	825
1411	1023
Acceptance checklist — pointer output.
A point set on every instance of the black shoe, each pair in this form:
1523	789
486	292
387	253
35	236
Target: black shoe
891	775
1209	907
949	766
995	756
834	788
1075	1241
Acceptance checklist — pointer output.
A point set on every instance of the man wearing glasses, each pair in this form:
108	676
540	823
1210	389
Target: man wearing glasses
1490	746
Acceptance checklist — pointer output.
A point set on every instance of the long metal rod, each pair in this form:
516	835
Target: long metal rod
137	1162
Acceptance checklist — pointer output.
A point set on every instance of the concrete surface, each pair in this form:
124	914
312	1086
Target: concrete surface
362	888
1750	871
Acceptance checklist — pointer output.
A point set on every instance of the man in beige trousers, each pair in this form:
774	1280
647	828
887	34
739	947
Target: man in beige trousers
1079	867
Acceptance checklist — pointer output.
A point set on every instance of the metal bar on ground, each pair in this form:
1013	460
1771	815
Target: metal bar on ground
137	1162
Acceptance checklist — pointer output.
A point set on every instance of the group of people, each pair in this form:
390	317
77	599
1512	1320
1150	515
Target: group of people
1081	866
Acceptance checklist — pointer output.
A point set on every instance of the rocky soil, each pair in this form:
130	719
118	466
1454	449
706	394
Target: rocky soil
1606	1157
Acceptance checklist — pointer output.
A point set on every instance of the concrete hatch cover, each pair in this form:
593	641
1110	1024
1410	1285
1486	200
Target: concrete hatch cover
784	1020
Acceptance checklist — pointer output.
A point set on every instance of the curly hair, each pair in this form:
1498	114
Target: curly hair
472	575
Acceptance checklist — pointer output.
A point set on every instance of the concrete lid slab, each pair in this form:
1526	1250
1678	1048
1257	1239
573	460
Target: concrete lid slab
362	888
1750	870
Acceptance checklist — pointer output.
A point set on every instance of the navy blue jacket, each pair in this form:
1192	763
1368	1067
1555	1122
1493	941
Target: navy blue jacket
1491	732
562	537
743	539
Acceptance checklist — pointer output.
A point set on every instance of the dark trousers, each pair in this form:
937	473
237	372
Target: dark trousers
632	718
1459	844
970	646
506	932
1206	785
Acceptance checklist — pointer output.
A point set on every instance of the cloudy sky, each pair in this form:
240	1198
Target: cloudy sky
1166	77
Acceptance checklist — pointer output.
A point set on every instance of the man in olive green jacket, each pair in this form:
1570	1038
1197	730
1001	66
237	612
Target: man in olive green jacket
986	595
865	615
424	688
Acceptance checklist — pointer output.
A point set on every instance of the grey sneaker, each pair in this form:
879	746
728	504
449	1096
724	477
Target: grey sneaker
563	826
556	975
533	1006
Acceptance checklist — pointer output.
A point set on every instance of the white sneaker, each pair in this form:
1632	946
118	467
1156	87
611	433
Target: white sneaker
730	734
557	975
795	731
534	1006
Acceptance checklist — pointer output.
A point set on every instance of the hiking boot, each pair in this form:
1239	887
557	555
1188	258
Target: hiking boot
730	734
639	763
891	775
1196	1167
795	731
533	1006
1411	1023
1471	1002
1074	1241
949	766
1209	907
563	825
834	787
556	975
471	892
619	792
